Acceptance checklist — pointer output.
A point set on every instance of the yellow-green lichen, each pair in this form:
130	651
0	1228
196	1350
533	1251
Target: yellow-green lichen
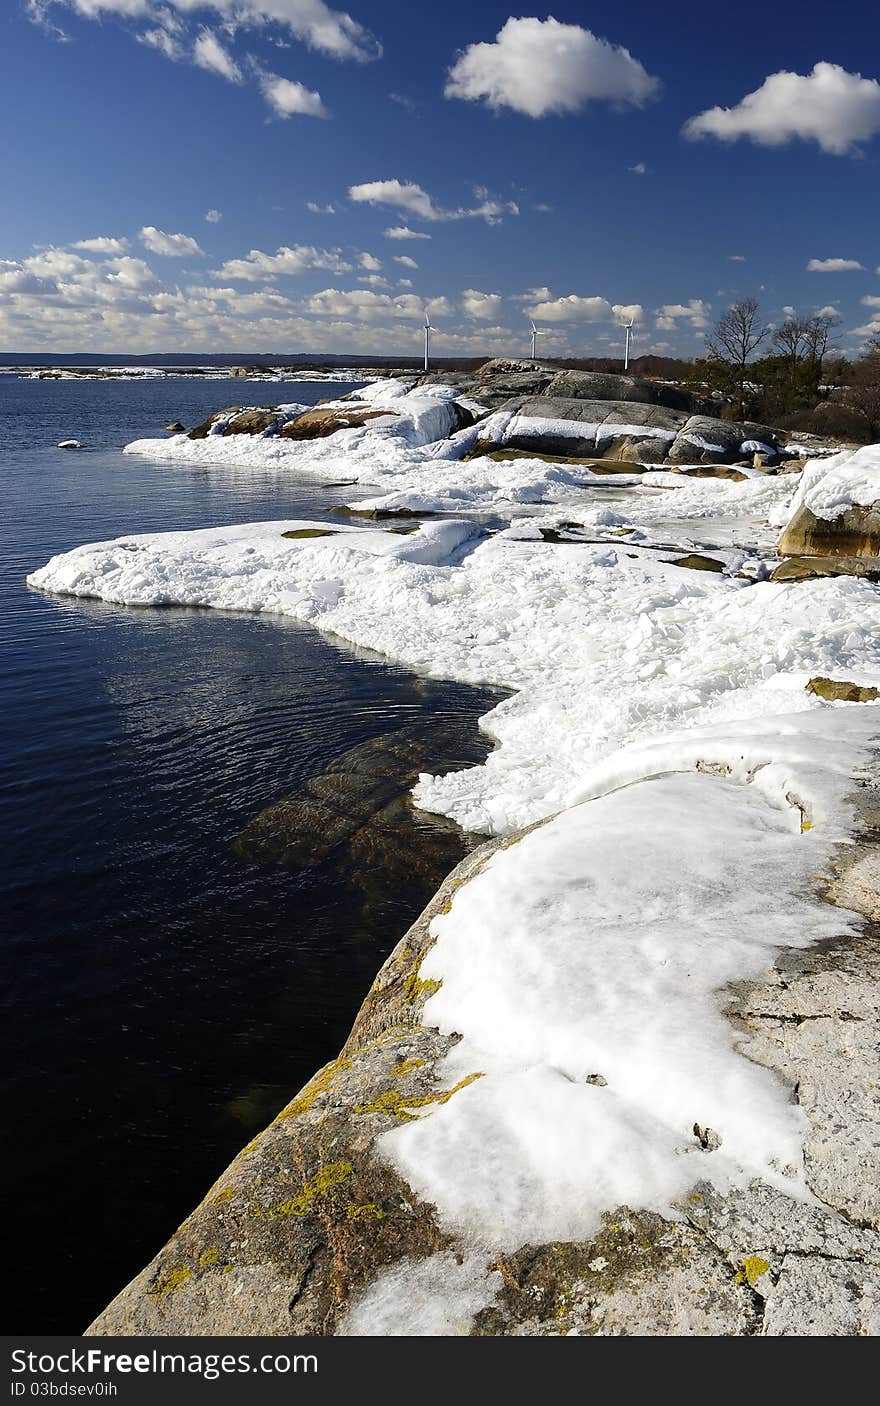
753	1266
312	1190
314	1089
415	986
398	1105
171	1280
405	1066
211	1256
366	1212
222	1196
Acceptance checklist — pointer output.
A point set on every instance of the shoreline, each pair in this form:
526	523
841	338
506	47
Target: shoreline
574	1061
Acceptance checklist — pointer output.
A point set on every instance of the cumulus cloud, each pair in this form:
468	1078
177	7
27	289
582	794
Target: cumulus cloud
369	262
102	244
288	98
481	306
362	303
404	232
572	308
830	106
539	67
405	259
213	217
329	31
300	259
317	209
175	246
870	301
695	313
834	266
406	195
628	312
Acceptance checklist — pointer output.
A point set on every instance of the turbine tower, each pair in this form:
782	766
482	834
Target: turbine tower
534	338
628	326
428	330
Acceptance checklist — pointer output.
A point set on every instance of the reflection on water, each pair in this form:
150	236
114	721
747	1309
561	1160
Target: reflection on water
164	995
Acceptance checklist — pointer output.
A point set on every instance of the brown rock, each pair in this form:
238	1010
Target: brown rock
856	533
834	689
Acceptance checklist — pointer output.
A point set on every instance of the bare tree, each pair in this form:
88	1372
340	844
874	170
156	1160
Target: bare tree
864	390
735	337
817	334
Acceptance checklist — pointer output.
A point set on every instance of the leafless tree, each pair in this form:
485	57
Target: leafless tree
817	334
735	337
864	390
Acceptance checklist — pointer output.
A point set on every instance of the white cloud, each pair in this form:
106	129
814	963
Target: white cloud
532	295
362	303
313	22
406	195
628	312
175	246
102	244
299	259
869	301
640	169
213	217
405	259
209	53
288	98
369	262
572	308
829	310
374	280
834	266
404	283
542	66
162	39
737	258
696	313
317	209
829	106
404	232
481	306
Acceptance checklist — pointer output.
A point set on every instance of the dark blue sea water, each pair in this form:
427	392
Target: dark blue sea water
162	998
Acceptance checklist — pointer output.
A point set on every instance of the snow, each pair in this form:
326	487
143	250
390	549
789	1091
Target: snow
656	717
434	1297
829	487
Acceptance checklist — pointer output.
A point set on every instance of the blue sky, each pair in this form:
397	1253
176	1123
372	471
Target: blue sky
610	161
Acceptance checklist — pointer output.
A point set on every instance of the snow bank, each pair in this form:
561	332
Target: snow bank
597	945
602	644
828	487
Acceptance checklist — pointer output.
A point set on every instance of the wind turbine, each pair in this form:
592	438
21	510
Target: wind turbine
628	326
534	338
428	330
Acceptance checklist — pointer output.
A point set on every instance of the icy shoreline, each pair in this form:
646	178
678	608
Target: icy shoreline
659	715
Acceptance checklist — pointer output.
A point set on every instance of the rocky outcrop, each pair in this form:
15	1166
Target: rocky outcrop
809	568
704	440
309	1216
596	385
611	428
